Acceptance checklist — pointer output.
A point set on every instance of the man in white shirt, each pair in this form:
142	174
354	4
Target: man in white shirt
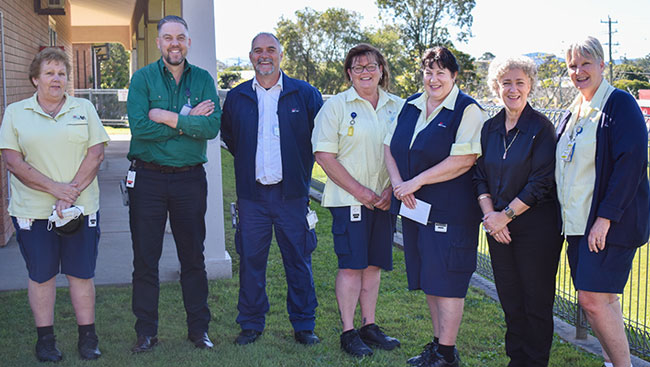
267	124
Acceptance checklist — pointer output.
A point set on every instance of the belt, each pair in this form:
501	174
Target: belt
163	169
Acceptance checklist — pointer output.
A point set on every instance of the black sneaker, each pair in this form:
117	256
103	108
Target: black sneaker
437	360
351	343
46	350
372	335
88	346
426	354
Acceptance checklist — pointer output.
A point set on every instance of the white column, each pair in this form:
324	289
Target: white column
199	15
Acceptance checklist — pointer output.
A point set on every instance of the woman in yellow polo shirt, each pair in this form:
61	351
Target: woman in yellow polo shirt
53	144
601	173
348	143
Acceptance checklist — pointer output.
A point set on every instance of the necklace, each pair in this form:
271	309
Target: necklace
509	145
54	111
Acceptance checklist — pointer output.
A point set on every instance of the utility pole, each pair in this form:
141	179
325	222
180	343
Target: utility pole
610	44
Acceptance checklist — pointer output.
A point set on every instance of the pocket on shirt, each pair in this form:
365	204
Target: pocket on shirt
158	101
77	132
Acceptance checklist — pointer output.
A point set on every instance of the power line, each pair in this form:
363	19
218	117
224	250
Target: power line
610	44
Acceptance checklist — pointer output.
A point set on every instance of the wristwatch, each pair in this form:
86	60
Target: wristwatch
509	212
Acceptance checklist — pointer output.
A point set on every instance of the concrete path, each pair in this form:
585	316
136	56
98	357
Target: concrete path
114	262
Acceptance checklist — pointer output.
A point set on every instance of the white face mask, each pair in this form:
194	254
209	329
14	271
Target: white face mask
70	214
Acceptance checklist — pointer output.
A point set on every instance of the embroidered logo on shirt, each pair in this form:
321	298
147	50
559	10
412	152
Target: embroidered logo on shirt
78	117
294	110
442	124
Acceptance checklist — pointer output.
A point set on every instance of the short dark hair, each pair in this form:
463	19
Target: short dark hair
440	56
172	19
48	54
364	49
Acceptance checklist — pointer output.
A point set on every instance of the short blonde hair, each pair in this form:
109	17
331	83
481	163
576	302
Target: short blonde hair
589	47
500	66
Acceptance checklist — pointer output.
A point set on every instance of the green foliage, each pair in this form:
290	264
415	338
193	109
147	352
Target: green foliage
631	86
554	90
628	71
115	70
425	23
228	78
315	45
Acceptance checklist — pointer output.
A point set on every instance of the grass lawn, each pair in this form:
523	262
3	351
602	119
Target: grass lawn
401	313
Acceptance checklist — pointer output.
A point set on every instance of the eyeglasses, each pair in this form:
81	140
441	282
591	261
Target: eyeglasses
358	69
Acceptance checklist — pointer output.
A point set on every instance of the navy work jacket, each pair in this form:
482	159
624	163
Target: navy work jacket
298	104
621	190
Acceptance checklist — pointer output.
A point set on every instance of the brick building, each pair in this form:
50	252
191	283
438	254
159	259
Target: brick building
26	26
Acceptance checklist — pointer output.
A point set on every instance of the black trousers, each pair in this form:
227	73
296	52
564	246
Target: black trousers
524	275
183	196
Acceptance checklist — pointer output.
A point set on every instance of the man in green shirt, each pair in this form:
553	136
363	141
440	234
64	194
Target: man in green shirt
173	111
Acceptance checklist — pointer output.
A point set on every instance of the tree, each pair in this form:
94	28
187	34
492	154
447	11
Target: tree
115	70
555	90
425	23
629	71
228	78
631	86
316	44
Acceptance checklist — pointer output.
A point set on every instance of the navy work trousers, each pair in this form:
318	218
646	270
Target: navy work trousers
257	218
183	196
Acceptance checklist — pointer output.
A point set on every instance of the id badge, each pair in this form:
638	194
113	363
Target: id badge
25	224
130	179
355	213
312	218
186	109
92	220
440	227
567	154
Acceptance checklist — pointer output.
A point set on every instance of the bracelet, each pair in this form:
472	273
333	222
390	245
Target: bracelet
484	196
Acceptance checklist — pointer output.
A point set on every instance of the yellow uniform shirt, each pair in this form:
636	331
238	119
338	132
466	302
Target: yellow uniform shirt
53	146
575	179
468	136
350	127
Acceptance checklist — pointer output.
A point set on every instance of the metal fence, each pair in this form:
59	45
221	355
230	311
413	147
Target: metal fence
110	104
634	300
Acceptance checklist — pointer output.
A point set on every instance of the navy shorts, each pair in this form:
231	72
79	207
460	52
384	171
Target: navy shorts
606	271
363	243
440	263
45	252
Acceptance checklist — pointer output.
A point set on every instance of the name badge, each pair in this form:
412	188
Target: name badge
130	179
440	227
567	154
92	220
312	218
355	213
186	109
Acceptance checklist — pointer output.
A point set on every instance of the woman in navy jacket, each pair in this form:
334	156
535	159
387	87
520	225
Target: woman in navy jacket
602	180
430	157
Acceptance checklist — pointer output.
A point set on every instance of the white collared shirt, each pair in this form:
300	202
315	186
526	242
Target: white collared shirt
268	158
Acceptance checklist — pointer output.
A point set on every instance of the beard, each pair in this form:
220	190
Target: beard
169	60
264	72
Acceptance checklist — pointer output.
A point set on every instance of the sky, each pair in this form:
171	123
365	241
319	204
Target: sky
502	27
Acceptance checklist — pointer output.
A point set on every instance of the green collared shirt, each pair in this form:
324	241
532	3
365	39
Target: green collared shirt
154	86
